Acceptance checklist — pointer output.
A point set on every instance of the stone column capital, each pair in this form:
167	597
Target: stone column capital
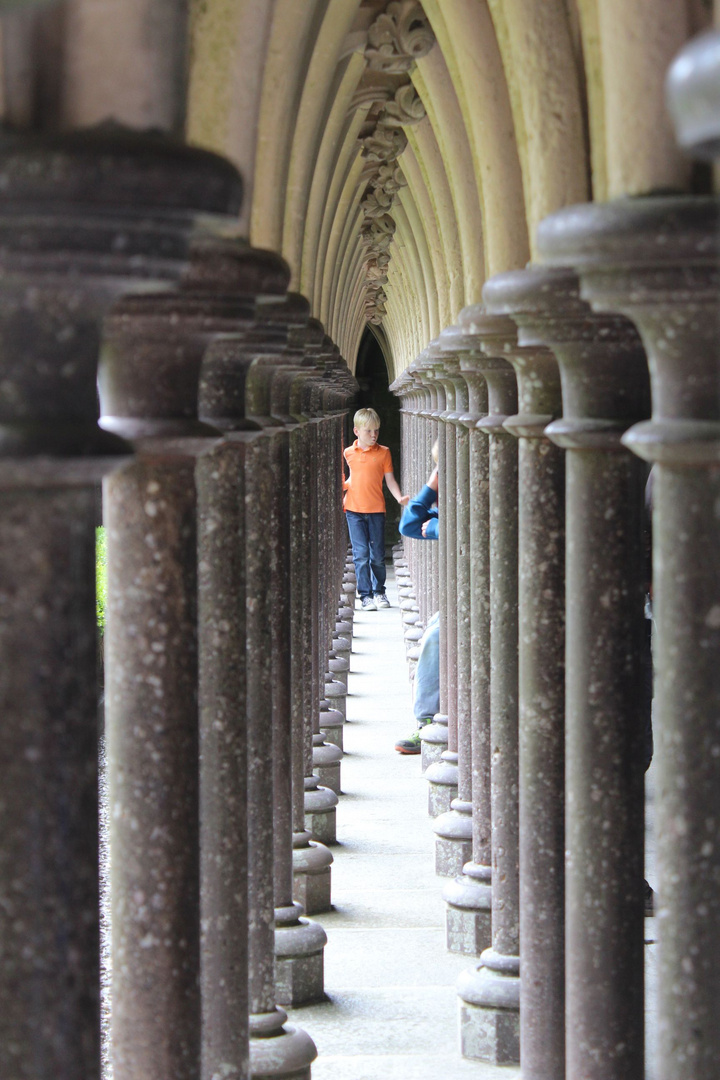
657	261
603	370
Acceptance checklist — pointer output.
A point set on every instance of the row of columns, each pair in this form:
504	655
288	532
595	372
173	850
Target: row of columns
571	379
223	408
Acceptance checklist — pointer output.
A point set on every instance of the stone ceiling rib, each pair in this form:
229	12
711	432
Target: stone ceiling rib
418	183
632	150
435	86
537	50
344	186
430	159
411	223
467	38
290	49
319	111
334	228
331	163
407	241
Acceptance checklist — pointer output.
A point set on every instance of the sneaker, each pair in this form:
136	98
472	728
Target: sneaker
409	746
381	600
368	604
412	745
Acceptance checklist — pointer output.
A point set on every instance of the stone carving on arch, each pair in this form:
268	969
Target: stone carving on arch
399	36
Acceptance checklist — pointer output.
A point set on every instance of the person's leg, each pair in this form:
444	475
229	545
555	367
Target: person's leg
426	698
358	530
427	673
376	536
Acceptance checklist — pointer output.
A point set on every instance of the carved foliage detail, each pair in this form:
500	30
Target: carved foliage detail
398	37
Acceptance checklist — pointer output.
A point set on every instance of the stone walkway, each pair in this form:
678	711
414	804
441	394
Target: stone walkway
392	1010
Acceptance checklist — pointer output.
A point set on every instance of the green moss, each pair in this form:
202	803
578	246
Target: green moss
100	575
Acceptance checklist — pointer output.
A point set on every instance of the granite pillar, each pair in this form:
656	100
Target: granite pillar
441	763
656	261
523	295
53	456
469	895
489	994
453	829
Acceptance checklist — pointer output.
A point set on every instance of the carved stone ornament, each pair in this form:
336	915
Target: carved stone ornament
377	203
406	108
399	37
396	40
390	178
386	144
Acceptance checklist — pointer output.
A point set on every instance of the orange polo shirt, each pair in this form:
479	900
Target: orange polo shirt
364	489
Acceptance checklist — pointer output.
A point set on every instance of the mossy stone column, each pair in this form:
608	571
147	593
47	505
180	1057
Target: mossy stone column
489	994
657	261
469	895
541	602
453	829
83	219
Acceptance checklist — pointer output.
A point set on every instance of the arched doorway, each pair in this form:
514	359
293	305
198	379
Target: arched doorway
371	372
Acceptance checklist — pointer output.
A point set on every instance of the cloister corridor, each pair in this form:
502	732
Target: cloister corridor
392	1006
226	227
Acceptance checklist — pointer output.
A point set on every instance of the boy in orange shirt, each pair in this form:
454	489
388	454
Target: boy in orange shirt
364	503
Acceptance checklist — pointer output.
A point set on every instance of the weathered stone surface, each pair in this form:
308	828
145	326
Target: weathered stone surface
657	262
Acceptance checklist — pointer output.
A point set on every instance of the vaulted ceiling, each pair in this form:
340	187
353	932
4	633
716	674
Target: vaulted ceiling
398	154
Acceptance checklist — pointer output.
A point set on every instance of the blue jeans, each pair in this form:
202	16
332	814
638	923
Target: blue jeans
367	536
427	673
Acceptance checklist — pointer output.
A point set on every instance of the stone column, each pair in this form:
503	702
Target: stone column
490	994
237	390
656	261
149	392
53	456
312	859
226	397
453	847
468	896
274	1048
523	295
440	763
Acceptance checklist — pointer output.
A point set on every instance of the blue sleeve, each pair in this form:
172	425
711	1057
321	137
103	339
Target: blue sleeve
417	511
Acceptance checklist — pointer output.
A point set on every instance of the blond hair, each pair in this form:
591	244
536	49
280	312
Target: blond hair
366	418
434	451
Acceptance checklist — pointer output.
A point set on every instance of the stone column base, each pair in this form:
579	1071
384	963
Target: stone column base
453	847
326	763
339	666
490	1010
299	958
320	818
335	692
442	778
311	875
284	1052
434	740
468	919
332	723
